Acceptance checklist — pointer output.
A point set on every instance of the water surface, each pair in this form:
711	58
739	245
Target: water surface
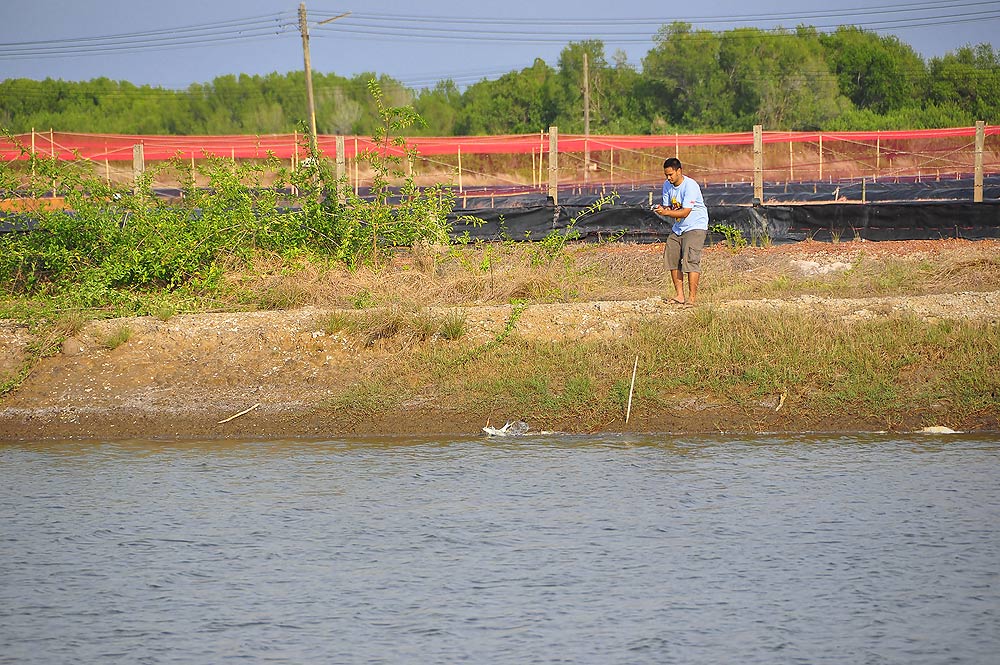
859	549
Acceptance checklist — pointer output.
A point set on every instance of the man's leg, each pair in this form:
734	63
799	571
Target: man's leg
693	286
677	277
692	243
672	252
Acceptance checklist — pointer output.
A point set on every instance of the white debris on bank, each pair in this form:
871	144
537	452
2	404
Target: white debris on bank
512	428
817	268
938	429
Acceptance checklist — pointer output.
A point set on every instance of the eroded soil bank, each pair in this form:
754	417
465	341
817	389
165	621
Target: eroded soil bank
275	373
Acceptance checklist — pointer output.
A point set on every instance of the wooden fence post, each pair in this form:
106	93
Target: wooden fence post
138	165
820	157
554	164
791	165
758	163
878	155
340	170
977	195
52	152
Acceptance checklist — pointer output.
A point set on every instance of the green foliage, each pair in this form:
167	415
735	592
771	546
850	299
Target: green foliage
552	245
453	325
372	227
877	73
733	236
118	238
690	80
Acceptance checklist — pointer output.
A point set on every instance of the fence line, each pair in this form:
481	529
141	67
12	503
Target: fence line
714	158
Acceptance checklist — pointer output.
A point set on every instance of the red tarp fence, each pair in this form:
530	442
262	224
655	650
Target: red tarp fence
118	147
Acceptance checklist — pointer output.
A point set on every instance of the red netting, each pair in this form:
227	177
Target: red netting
118	147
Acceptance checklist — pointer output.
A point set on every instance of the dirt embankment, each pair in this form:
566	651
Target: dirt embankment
189	375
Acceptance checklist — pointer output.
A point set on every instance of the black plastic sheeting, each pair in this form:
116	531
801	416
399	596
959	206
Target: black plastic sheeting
778	223
911	210
831	191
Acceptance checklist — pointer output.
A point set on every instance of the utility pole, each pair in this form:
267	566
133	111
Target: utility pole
586	120
304	29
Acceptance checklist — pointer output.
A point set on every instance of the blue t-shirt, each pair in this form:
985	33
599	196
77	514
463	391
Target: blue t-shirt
688	195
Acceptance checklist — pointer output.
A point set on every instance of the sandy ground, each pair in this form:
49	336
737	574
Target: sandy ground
188	376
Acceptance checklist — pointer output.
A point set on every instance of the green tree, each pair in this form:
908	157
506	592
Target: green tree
518	102
969	77
780	79
439	107
874	71
684	84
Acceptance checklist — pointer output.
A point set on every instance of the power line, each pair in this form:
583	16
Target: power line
246	30
445	28
564	34
908	7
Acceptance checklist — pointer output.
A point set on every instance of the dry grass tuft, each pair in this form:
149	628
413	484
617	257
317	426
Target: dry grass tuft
433	276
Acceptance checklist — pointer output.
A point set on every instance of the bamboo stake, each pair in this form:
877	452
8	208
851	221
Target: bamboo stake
628	411
241	413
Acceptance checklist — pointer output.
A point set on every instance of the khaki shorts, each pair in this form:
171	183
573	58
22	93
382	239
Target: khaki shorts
683	252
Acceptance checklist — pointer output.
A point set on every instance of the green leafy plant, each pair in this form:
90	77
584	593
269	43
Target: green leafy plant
371	227
733	236
118	240
552	245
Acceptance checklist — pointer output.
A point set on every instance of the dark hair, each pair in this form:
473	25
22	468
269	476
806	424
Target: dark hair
672	163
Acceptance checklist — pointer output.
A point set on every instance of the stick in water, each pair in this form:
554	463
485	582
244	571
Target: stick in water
241	413
628	411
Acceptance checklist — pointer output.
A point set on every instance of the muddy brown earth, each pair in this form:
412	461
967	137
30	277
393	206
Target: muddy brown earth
263	374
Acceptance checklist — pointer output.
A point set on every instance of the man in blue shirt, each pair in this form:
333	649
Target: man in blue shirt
684	204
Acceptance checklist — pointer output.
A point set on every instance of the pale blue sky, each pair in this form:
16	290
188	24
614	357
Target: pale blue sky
173	44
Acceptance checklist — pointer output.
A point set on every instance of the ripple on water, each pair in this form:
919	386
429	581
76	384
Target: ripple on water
613	549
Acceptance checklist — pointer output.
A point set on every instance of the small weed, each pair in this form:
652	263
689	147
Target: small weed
283	295
120	335
338	322
453	325
733	236
163	310
71	323
363	299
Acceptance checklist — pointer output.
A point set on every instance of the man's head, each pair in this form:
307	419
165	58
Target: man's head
672	171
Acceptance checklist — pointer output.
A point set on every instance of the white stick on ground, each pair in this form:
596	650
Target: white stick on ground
628	411
241	413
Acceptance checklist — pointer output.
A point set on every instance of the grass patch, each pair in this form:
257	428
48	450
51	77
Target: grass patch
117	337
394	323
883	370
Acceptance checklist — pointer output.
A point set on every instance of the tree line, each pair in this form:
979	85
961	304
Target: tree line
689	81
